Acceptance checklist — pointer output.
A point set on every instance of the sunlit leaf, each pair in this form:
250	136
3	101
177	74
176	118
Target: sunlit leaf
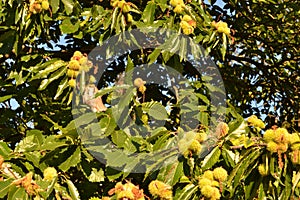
5	98
69	4
73	190
149	11
72	161
211	159
4	187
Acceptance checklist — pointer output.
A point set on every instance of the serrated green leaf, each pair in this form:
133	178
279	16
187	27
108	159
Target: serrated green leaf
62	86
18	77
229	157
5	98
237	127
130	166
163	4
57	74
183	49
73	190
286	193
54	5
4	149
253	188
96	175
17	193
224	46
38	136
157	133
238	172
118	29
123	23
161	141
85	119
171	174
261	192
70	98
118	138
203	118
155	110
175	45
56	125
110	89
158	111
27	144
203	98
39	67
112	174
212	37
120	110
68	27
33	157
296	180
4	187
149	13
72	161
159	159
129	70
51	143
114	19
69	134
49	69
50	187
153	56
211	159
69	4
187	192
117	158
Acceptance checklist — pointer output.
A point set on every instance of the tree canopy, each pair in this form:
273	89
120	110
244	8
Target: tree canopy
264	58
148	99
